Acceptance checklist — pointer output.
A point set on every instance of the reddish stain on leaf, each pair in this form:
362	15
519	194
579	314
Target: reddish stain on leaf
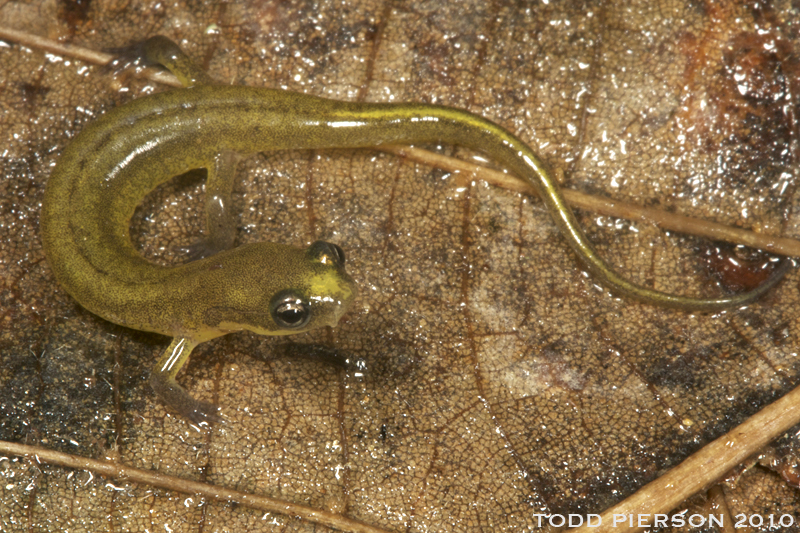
736	268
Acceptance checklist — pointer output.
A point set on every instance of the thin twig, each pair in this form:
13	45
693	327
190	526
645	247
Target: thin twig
593	204
121	472
703	468
55	47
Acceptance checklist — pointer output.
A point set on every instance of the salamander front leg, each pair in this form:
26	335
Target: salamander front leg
162	380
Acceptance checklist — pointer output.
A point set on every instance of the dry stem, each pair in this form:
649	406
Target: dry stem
121	472
703	468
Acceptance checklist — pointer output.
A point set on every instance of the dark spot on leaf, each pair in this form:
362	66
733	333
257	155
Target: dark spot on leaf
33	92
737	268
74	13
743	105
781	334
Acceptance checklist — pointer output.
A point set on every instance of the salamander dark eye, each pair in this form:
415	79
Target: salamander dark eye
290	311
326	253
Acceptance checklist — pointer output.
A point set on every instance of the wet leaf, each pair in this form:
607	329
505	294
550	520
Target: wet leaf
481	377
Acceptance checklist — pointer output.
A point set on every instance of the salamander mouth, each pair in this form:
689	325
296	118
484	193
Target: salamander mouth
341	309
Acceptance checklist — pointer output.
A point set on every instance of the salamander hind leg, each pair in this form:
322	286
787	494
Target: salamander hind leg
164	51
220	228
175	397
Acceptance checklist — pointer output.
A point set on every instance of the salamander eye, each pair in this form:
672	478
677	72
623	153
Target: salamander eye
289	311
325	253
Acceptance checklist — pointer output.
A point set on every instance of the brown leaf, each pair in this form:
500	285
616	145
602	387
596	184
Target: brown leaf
485	377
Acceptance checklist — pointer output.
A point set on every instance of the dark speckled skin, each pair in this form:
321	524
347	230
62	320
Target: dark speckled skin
118	159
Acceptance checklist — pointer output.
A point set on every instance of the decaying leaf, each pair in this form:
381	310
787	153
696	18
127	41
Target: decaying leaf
481	377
